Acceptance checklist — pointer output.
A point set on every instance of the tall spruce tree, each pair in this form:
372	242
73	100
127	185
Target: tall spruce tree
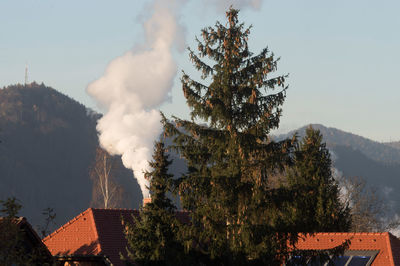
317	206
152	239
237	217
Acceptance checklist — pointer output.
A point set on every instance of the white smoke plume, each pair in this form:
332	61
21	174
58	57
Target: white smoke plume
223	5
133	87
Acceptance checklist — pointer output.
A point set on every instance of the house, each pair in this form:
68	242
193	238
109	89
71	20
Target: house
20	243
98	235
94	232
376	249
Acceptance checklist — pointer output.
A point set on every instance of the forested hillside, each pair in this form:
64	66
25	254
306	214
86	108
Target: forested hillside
48	144
356	156
394	144
380	152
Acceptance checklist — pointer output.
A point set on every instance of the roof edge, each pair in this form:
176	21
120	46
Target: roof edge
67	224
389	247
23	221
96	210
96	231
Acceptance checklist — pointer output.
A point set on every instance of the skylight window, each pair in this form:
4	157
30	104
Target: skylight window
350	258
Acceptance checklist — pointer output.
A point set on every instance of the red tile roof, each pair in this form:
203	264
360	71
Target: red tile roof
95	232
387	245
111	230
100	232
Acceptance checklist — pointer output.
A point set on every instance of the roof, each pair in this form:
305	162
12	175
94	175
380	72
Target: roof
30	237
92	232
387	245
31	234
95	232
101	232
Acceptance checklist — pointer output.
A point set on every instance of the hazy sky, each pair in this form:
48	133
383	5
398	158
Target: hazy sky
343	57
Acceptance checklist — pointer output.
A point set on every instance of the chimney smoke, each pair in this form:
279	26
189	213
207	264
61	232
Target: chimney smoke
146	200
132	88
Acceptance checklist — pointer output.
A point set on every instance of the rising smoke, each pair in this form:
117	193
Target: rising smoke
133	87
135	84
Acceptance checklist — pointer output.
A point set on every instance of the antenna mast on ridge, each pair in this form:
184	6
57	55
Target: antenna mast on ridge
26	74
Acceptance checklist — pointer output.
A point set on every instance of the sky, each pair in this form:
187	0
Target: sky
342	57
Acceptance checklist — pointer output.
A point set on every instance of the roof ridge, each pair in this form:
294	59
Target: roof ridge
347	233
96	231
389	247
113	209
66	225
392	235
95	223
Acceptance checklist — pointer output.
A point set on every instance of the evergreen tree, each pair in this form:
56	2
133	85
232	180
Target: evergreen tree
14	244
318	206
10	233
152	239
237	217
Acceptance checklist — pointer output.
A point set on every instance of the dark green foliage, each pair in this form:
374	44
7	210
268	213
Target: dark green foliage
317	206
10	208
17	245
376	163
153	238
10	234
237	216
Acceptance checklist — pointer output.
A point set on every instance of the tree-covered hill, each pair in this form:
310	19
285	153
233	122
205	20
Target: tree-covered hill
356	156
380	152
394	144
48	144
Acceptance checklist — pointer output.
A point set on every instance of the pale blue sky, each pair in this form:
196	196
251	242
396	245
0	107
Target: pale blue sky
343	57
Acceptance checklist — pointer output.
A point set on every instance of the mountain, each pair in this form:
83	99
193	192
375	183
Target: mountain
356	156
48	144
386	153
394	144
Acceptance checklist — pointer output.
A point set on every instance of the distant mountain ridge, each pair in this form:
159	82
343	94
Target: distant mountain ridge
394	144
387	153
48	143
356	156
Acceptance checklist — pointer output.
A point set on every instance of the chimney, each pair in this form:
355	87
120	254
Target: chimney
146	200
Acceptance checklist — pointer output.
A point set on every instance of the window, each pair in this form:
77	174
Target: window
349	258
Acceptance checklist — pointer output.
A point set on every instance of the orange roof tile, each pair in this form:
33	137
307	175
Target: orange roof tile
100	232
387	244
111	231
95	232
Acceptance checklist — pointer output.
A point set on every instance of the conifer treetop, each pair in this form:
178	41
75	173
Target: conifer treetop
159	179
235	214
239	96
